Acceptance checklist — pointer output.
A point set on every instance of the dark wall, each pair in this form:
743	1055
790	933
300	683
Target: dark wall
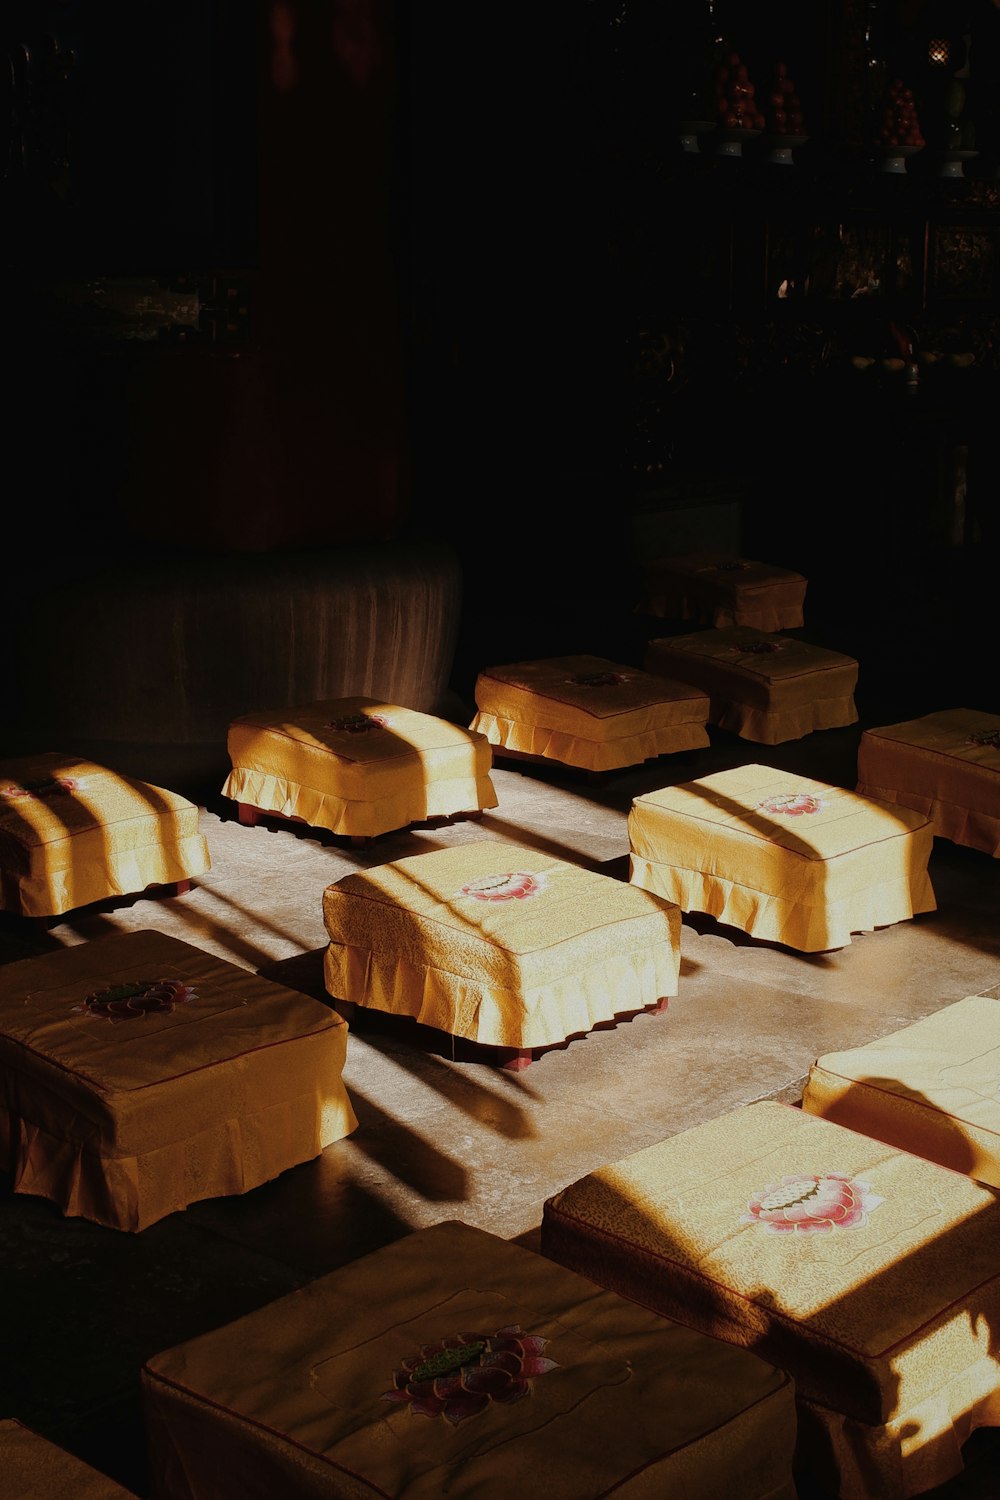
199	285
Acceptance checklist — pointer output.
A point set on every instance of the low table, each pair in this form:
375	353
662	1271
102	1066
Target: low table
869	1275
722	589
588	712
356	766
762	687
785	858
454	1363
73	832
946	765
930	1088
139	1074
35	1469
499	944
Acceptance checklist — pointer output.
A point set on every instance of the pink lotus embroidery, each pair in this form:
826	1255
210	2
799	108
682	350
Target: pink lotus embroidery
990	737
599	679
132	1002
459	1377
810	1204
792	804
357	723
515	885
761	648
51	786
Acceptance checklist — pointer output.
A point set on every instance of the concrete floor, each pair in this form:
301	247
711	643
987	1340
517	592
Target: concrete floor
444	1134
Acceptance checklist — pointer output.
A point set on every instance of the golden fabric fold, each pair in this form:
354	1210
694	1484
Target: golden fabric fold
141	1074
945	765
868	1274
35	1469
73	832
929	1088
724	590
358	766
499	944
612	1399
783	857
763	687
588	712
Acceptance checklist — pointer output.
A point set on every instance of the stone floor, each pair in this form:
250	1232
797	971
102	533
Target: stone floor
444	1134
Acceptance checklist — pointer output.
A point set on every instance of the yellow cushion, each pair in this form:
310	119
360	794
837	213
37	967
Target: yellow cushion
122	1107
868	1274
589	712
358	766
332	1390
35	1469
946	765
500	944
932	1088
783	857
722	590
73	832
763	687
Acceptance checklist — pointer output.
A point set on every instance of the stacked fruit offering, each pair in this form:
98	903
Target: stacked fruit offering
783	108
736	104
900	124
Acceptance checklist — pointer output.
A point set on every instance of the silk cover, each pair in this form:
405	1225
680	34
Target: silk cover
866	1273
127	1112
946	765
588	712
783	857
35	1469
724	590
763	687
358	766
72	832
932	1088
499	944
290	1400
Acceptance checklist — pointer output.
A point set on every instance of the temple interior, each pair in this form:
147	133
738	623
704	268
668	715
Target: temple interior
357	348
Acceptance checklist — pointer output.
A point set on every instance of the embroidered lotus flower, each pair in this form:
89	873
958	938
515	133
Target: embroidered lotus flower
792	804
51	786
810	1204
989	737
515	885
599	679
134	1002
761	648
459	1377
357	723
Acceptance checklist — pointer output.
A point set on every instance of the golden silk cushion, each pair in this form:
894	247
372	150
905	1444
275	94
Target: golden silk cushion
141	1074
869	1274
498	943
35	1469
785	857
723	590
73	832
762	686
452	1362
944	764
588	711
358	765
932	1088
